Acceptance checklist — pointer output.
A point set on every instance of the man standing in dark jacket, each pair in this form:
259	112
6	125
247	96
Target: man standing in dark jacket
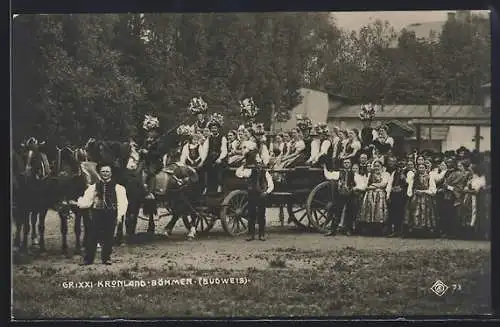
397	193
344	200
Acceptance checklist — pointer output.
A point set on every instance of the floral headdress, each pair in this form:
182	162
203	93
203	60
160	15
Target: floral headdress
322	128
197	106
303	122
368	112
185	130
258	129
216	119
150	122
248	109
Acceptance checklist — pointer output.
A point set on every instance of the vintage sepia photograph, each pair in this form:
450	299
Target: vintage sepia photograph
250	165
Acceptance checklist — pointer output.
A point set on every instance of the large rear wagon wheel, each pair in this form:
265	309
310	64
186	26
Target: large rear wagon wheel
319	206
234	213
297	213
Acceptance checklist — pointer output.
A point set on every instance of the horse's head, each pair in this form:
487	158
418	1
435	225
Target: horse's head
34	160
92	150
68	161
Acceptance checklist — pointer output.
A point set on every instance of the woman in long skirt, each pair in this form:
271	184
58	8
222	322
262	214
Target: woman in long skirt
471	211
374	210
421	210
358	190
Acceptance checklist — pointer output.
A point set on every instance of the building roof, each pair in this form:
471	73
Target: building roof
424	30
433	133
399	111
437	133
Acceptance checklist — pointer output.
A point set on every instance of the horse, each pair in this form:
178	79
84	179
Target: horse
174	186
71	179
31	172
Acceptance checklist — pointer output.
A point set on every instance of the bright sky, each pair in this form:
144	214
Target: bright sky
398	19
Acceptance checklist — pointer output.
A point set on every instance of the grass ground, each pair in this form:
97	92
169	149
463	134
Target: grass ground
347	281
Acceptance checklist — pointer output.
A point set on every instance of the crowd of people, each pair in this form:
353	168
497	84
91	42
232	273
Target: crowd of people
378	191
375	190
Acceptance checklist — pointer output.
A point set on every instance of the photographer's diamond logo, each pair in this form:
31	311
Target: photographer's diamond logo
439	288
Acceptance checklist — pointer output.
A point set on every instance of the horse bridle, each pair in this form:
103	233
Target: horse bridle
74	153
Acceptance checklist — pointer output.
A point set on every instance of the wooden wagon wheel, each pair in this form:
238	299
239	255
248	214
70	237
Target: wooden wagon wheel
234	213
319	205
297	213
204	223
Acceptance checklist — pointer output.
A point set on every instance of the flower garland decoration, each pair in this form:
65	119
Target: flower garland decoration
248	109
150	122
303	122
217	119
197	106
322	128
185	130
368	112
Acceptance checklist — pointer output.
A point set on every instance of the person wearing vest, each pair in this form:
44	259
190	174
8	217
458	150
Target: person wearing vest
397	195
259	185
326	148
191	152
314	146
344	201
215	148
108	203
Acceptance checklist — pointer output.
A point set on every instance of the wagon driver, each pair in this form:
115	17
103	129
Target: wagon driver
152	152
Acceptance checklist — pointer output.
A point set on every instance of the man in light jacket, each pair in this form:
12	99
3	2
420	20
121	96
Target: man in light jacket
108	203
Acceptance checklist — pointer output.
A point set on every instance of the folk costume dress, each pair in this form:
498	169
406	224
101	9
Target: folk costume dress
191	155
471	210
297	155
374	208
359	189
421	210
235	153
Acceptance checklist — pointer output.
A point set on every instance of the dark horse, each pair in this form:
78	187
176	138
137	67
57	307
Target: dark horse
31	183
72	177
128	168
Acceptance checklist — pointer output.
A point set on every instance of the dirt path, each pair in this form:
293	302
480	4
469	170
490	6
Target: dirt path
216	250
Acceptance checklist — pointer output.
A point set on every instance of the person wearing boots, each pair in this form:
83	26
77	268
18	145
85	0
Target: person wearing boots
108	203
260	184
